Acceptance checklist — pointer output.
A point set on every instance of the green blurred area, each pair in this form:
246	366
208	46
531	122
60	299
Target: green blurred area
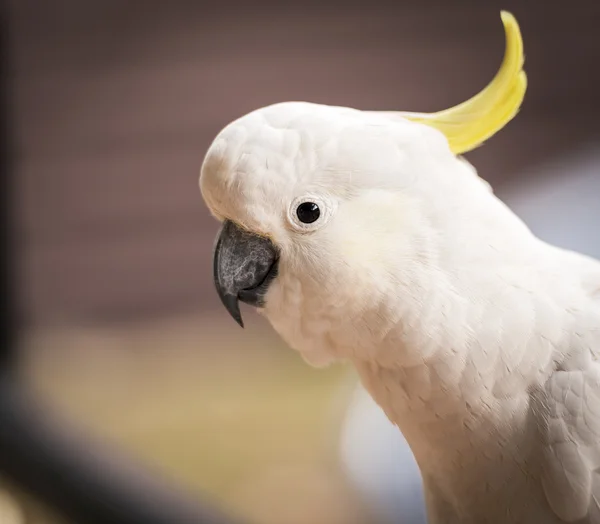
231	413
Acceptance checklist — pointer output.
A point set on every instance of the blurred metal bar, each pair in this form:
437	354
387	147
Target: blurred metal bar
38	453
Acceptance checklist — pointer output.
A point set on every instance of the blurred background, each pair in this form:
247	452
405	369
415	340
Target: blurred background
113	105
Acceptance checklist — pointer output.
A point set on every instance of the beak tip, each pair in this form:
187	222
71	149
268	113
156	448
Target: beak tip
239	321
232	305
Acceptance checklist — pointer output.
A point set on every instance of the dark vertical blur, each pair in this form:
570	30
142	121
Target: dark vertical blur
112	107
6	207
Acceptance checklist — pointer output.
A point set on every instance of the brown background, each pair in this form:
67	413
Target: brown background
116	102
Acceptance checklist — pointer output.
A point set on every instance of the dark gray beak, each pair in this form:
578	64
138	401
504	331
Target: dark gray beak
244	265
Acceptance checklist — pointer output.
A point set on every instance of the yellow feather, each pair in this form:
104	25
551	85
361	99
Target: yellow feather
468	125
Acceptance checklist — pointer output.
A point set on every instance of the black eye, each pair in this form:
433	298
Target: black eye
308	212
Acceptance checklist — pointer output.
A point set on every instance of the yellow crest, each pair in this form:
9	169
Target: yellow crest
468	125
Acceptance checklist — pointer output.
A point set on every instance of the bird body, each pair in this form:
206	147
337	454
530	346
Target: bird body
364	236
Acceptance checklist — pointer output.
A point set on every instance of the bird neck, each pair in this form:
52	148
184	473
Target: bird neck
453	432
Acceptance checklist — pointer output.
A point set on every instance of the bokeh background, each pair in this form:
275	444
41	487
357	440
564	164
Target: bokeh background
113	107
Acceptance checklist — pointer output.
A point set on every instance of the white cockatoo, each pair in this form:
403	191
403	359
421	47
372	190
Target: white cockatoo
364	236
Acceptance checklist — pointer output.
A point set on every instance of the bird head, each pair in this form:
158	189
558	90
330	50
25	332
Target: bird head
327	211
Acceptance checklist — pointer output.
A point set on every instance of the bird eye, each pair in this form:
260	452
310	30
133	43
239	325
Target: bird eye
308	212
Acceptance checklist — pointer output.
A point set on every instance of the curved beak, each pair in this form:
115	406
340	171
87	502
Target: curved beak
244	265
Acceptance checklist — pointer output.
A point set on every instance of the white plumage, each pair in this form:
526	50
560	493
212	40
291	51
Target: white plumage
476	338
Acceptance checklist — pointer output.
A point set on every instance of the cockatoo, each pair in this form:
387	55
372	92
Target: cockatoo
364	236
